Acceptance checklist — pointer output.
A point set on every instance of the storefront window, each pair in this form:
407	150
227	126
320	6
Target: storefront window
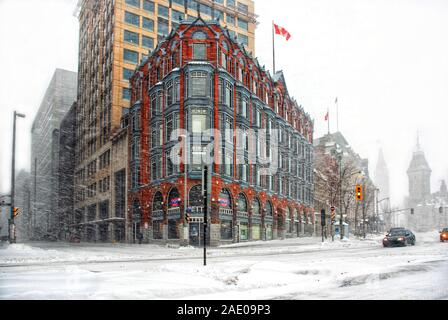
172	229
244	231
226	230
256	234
157	230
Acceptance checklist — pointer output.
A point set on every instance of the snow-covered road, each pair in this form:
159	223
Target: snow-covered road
301	268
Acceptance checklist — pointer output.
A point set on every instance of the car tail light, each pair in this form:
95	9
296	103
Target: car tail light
401	239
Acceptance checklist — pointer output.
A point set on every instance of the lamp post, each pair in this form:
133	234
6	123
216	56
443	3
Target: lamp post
12	233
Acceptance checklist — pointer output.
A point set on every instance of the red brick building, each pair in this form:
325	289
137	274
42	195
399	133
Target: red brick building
200	79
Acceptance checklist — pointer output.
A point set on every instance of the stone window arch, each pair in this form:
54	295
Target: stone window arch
195	196
157	203
199	35
242	203
268	208
174	198
225	199
256	207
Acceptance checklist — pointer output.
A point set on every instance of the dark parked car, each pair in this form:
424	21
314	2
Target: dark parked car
399	237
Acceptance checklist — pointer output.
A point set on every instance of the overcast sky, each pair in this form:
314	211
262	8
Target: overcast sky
385	60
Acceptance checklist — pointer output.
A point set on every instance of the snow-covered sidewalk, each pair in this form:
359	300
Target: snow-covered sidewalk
301	268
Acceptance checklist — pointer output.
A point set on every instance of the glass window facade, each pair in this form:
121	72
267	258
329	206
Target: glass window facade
132	18
147	24
134	3
131	37
130	56
148	6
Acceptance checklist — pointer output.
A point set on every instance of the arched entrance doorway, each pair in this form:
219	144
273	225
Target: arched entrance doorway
226	214
173	213
195	205
256	219
157	216
268	220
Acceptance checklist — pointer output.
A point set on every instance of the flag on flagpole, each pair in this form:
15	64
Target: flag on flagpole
327	116
336	101
282	31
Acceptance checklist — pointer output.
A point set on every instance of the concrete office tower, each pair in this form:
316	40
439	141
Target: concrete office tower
58	99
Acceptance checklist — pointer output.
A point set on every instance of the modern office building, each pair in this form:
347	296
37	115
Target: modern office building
199	79
65	176
114	38
22	201
58	99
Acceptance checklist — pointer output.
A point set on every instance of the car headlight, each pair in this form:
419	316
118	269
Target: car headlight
401	239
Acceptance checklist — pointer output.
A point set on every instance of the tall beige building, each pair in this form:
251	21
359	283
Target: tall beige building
115	36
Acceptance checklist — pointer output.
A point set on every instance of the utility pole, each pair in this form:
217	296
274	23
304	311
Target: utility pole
12	227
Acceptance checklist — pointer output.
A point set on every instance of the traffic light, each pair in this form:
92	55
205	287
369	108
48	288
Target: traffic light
187	218
359	195
441	210
333	213
15	212
412	210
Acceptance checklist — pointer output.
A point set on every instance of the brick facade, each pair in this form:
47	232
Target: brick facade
182	87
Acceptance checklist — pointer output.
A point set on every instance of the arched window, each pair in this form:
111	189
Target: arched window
199	35
225	200
242	203
240	70
157	203
174	198
268	209
256	207
195	196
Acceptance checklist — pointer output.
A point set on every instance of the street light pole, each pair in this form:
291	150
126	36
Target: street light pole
12	231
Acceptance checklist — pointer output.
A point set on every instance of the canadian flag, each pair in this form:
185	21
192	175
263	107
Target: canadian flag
282	31
326	116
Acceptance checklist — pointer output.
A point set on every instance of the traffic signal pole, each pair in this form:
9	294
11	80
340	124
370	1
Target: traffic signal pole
11	229
12	238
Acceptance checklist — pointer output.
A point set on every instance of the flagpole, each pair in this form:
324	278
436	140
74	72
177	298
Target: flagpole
273	48
328	112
